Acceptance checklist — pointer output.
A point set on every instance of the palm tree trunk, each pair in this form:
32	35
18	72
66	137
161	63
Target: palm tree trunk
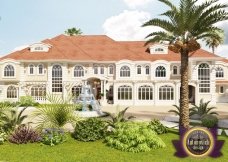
184	100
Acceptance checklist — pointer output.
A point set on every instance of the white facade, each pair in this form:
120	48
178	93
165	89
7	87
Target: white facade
123	82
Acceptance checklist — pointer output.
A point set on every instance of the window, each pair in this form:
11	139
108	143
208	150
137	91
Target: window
40	69
57	85
125	71
166	93
78	71
102	70
9	71
204	78
31	69
159	50
175	70
76	90
219	72
221	89
160	71
11	92
147	68
145	93
38	92
111	69
139	69
38	49
124	93
95	70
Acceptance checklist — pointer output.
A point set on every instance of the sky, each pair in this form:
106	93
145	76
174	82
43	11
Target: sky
24	22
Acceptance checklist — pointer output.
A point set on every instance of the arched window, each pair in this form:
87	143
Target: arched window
159	50
160	71
166	93
139	69
31	69
145	93
57	85
219	72
111	69
95	69
78	71
9	71
125	71
147	68
124	93
204	78
11	92
40	69
175	70
76	90
38	92
102	70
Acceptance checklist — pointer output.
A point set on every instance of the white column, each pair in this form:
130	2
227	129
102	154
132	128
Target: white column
133	93
177	93
156	93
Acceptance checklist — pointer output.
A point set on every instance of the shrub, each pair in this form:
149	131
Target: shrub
24	134
90	130
209	120
3	136
12	118
203	109
157	126
134	137
78	107
27	101
53	136
119	116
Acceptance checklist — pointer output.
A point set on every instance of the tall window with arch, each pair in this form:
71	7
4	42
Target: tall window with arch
57	85
145	92
124	93
9	71
11	92
102	69
219	73
31	69
175	70
125	71
95	69
111	69
139	69
78	71
166	92
160	71
147	70
40	69
204	78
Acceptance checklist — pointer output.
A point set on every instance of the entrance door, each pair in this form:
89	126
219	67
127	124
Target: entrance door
95	84
191	94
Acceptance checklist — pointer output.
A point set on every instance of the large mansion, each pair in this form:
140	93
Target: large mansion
124	73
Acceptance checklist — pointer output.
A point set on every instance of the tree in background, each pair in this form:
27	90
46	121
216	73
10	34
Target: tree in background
73	31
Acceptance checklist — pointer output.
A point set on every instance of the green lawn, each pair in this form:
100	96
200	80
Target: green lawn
73	150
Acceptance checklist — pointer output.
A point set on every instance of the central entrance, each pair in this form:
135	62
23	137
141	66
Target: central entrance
95	84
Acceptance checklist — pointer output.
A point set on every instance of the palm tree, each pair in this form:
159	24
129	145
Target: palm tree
214	41
183	26
73	31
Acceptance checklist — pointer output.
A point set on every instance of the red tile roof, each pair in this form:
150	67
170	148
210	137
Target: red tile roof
98	48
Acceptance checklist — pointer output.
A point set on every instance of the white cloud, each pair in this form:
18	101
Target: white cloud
222	50
136	3
127	26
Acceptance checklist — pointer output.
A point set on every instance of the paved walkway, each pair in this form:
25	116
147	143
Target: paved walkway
159	112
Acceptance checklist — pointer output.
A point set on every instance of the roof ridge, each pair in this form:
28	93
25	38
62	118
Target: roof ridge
79	47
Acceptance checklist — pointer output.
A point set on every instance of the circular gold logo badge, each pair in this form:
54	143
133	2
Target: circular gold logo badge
198	142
